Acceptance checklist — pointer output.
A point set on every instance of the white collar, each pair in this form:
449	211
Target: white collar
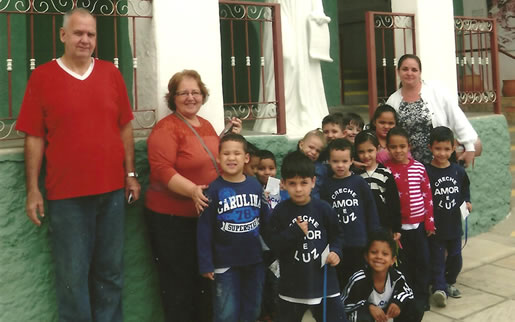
74	74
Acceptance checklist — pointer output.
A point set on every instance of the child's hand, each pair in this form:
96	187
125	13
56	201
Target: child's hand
430	232
377	313
358	164
333	259
393	311
469	206
303	225
209	275
396	236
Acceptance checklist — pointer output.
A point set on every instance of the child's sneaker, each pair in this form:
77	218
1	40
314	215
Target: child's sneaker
452	291
440	298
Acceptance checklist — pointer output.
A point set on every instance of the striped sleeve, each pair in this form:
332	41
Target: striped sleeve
425	187
402	292
352	298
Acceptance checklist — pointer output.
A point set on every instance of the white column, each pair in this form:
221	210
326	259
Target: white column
434	28
187	36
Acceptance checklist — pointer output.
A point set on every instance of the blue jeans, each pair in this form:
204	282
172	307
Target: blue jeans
87	235
237	294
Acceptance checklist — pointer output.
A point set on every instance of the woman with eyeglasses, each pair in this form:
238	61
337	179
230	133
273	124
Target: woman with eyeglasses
180	168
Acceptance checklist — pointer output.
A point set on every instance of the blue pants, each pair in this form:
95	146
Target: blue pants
293	312
87	235
185	294
416	266
445	270
238	293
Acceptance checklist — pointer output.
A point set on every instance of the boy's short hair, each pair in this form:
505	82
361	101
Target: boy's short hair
233	137
252	150
353	118
441	134
297	164
266	154
340	145
382	236
334	118
397	130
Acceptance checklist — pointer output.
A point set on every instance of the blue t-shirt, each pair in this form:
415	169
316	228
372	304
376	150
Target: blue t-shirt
321	170
228	229
450	187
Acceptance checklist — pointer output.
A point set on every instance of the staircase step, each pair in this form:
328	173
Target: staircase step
507	101
508	109
355	74
355	97
486	108
355	85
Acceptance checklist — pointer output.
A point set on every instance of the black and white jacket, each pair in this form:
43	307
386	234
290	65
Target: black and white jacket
361	284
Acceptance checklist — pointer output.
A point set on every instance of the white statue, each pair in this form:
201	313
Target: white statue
305	37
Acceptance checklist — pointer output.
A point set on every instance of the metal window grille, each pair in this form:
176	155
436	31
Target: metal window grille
477	64
29	36
245	28
389	36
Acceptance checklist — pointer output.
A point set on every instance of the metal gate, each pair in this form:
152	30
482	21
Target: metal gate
389	36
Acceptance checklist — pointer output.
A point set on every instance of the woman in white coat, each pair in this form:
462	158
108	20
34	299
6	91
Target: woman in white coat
422	105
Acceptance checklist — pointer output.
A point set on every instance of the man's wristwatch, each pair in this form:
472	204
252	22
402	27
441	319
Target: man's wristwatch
132	174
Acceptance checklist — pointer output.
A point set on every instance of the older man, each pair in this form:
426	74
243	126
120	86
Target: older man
77	113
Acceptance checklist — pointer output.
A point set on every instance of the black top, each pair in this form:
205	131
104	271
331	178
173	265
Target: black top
299	255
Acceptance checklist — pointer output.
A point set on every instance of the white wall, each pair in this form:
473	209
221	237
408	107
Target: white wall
434	24
187	36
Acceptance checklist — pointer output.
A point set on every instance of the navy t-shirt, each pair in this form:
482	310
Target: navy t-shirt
354	203
302	276
450	187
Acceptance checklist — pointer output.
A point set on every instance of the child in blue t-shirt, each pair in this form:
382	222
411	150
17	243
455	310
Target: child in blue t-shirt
450	189
351	197
228	239
299	231
312	144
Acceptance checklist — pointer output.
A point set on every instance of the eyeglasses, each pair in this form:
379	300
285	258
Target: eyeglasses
185	94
